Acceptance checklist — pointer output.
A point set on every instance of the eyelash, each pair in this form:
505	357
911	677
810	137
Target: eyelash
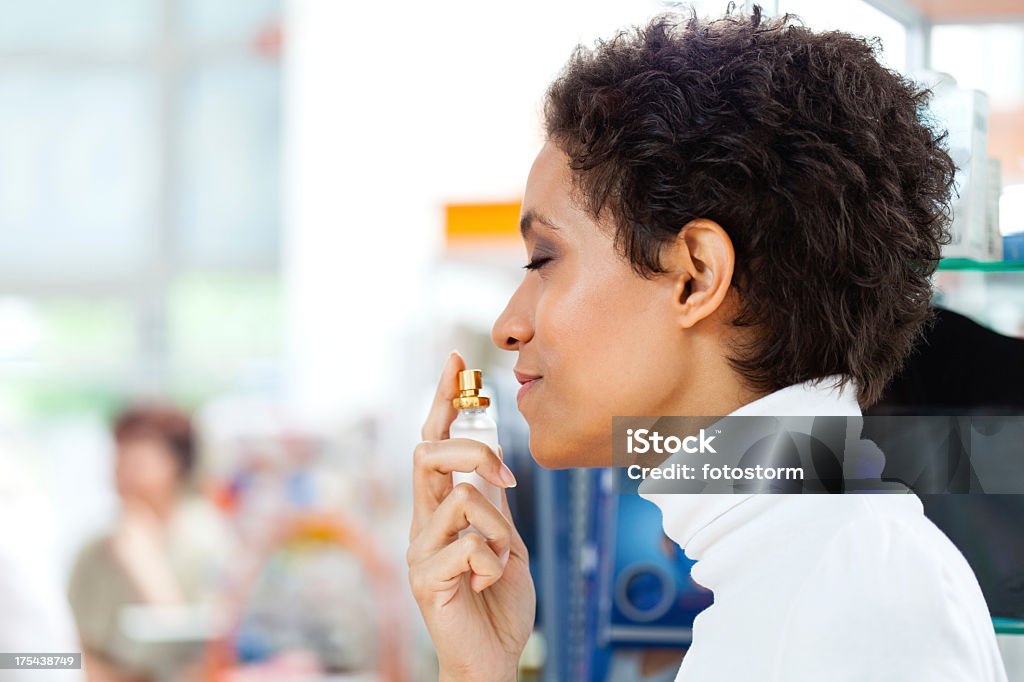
537	263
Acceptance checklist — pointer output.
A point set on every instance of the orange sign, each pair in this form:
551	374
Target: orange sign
476	222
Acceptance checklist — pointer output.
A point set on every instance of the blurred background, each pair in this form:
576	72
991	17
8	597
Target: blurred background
263	224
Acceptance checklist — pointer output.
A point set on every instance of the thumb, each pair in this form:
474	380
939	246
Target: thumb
442	412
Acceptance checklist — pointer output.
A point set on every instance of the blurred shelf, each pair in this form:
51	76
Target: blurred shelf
981	266
1008	626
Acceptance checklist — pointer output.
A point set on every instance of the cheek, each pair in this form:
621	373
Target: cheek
162	472
604	330
600	342
150	471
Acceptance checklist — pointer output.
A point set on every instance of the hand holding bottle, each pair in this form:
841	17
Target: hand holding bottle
475	591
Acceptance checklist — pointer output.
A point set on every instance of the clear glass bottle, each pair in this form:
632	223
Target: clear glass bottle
474	422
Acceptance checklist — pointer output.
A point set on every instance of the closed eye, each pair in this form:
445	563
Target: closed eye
537	263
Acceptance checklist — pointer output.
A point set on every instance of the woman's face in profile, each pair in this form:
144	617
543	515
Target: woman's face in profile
603	340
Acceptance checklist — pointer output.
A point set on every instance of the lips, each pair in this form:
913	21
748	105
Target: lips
525	377
527	380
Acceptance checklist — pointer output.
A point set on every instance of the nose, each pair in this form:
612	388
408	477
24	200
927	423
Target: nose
514	327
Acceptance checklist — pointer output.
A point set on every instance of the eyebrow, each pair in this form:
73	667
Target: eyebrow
527	220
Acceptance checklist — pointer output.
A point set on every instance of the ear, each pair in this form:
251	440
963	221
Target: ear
700	263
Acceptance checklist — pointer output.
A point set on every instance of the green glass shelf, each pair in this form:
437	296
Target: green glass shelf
1008	626
981	266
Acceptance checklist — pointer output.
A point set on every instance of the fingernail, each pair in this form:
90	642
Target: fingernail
507	476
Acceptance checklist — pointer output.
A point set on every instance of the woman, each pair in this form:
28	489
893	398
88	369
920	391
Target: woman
727	218
168	549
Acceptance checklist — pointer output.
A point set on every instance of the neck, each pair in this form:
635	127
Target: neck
163	506
695	520
712	388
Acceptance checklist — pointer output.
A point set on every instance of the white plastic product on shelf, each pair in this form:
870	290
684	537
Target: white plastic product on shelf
964	114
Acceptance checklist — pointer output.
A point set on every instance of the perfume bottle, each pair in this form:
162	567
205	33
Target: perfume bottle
474	422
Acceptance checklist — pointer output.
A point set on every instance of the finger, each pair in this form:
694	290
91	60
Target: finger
516	545
465	506
436	579
505	509
433	464
442	412
436	427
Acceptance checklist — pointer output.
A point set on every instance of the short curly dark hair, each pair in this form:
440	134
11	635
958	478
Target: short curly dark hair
821	165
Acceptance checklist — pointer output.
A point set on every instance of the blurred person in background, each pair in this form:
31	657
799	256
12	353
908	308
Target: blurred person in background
167	549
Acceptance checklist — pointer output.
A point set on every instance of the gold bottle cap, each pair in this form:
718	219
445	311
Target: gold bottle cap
470	383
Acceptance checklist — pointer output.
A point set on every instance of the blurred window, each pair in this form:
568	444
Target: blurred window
227	20
139	202
230	149
97	25
79	181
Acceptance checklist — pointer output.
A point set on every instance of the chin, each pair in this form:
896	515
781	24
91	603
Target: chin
563	451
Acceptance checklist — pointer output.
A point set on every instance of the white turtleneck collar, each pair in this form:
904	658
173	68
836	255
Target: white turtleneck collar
695	521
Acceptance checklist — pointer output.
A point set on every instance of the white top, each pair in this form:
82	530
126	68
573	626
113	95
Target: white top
844	588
